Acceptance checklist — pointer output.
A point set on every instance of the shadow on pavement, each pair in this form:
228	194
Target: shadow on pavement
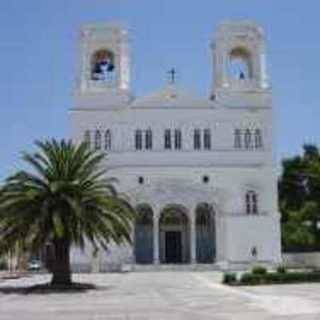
49	289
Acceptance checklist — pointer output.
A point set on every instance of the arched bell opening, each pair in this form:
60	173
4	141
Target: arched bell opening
144	235
240	64
205	234
103	66
174	235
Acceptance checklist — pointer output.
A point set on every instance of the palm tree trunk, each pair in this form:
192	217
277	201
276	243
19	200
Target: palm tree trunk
61	270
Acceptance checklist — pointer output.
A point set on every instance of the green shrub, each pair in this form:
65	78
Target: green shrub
250	278
229	278
281	269
278	278
259	270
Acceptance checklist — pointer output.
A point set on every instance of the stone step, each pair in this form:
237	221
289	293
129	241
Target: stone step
175	267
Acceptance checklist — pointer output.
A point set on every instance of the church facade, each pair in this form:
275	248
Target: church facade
199	170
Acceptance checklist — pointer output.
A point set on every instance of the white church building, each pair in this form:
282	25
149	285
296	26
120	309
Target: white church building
199	170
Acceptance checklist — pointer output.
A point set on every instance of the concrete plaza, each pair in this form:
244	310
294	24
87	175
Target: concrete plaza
161	295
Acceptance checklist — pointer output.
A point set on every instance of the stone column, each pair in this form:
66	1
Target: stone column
263	71
193	237
155	239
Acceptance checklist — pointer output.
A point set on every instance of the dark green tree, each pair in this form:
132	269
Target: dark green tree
299	194
64	200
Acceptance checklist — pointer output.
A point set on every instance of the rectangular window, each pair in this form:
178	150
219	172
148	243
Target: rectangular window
258	139
87	138
107	140
207	139
248	139
167	139
177	139
237	139
252	202
197	139
138	140
149	139
97	140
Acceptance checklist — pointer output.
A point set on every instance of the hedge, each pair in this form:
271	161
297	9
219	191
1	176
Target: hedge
229	278
278	278
260	276
259	270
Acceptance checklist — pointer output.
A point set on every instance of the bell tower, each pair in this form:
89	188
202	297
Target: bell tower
103	67
239	55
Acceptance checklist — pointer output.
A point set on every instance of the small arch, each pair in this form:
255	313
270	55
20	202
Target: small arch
97	140
148	139
107	140
177	139
240	64
87	138
174	237
102	65
167	139
251	202
258	141
237	139
144	234
138	139
248	139
174	207
205	233
197	139
207	139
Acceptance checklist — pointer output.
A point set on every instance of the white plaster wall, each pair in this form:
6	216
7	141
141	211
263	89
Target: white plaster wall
175	177
302	260
244	233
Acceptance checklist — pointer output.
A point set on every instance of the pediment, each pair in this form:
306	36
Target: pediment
172	96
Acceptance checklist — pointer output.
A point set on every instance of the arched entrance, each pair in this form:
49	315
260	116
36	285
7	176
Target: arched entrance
144	235
205	234
174	236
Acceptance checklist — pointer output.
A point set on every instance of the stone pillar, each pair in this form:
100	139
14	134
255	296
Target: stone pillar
155	239
193	237
263	71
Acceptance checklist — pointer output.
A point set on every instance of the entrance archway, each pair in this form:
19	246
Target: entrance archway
205	234
174	235
144	235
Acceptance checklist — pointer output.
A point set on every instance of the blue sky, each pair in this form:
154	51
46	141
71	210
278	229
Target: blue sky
38	50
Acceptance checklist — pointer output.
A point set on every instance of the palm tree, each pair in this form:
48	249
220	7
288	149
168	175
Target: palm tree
64	200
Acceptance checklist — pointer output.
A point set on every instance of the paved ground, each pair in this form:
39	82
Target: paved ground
162	295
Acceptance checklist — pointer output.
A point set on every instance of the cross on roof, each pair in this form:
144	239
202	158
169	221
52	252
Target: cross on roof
172	73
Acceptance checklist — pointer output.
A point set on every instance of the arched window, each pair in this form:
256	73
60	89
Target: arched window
149	139
207	139
237	139
138	139
248	139
167	139
87	138
107	140
258	143
143	238
197	139
97	140
240	67
205	233
251	202
102	66
177	139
